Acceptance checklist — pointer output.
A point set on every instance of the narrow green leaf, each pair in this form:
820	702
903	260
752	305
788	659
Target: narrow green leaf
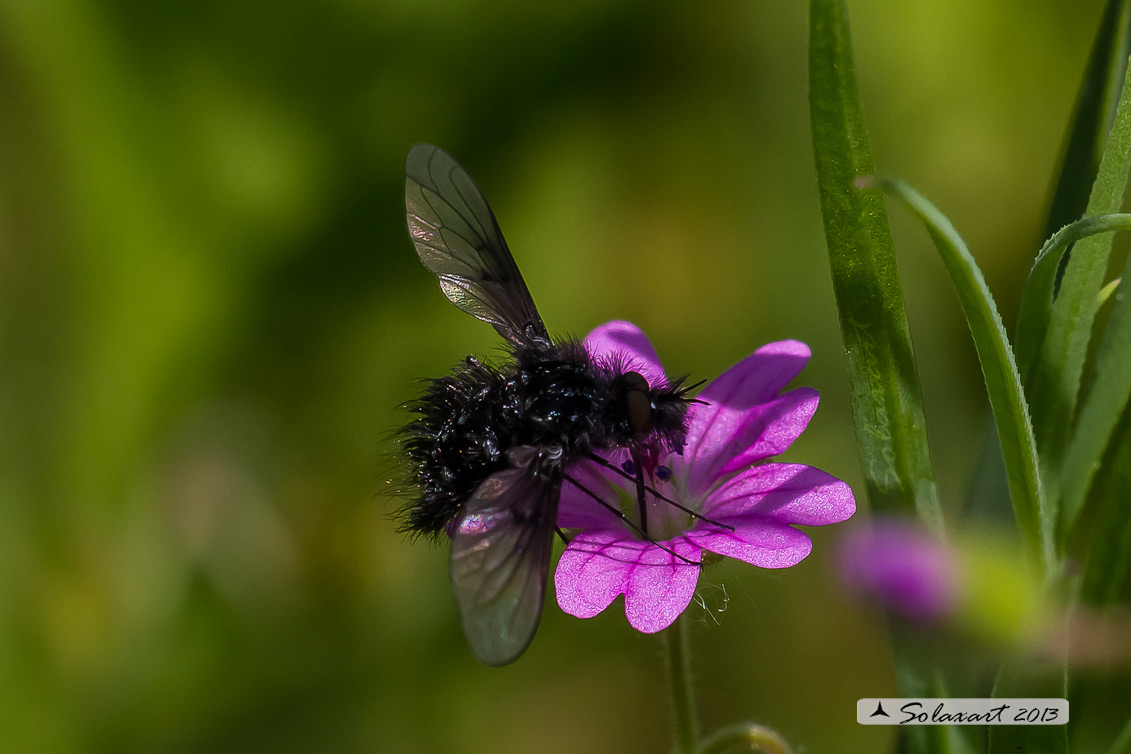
1056	378
1111	387
1103	542
1107	570
886	398
1003	383
1092	116
1105	402
1091	121
1088	128
1037	296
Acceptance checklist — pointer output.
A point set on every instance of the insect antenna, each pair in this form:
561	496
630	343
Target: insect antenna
632	478
620	514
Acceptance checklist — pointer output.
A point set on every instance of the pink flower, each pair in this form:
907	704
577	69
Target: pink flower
901	566
744	506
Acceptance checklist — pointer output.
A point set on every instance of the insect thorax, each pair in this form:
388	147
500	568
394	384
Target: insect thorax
559	403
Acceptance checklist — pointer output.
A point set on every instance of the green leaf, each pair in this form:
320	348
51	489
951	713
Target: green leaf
1105	402
1107	570
1092	117
886	398
1056	377
1112	384
1037	296
1035	518
1091	121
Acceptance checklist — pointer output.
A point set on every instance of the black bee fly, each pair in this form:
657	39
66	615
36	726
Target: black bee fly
490	446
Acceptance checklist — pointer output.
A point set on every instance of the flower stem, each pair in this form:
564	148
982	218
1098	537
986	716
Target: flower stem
683	699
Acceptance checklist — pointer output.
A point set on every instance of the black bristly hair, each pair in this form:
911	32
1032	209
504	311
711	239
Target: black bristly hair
451	444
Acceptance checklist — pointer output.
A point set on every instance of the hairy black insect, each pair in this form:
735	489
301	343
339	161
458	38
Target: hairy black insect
489	446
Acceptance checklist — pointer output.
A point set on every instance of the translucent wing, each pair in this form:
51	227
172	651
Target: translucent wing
500	560
458	239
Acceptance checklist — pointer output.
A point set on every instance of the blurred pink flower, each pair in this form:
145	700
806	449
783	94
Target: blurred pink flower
745	506
901	566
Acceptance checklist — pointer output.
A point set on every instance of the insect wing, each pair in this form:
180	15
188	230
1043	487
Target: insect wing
500	560
458	239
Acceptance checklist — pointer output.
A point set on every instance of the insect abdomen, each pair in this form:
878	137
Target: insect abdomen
455	442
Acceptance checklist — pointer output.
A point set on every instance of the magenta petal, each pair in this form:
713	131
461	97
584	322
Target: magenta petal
661	586
625	344
754	381
789	493
599	565
577	510
759	377
723	439
593	571
773	427
758	541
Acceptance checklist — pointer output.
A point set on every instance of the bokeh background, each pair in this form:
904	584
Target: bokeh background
210	311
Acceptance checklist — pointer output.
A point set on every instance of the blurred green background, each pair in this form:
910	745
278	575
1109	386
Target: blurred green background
210	311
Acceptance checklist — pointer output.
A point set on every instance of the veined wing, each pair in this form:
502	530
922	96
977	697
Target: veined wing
500	561
458	239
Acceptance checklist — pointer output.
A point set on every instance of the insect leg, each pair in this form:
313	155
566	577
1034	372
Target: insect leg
618	470
629	522
641	500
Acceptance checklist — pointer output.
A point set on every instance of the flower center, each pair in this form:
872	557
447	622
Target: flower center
665	520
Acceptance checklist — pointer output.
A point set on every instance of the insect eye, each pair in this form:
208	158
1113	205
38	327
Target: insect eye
629	467
663	473
637	402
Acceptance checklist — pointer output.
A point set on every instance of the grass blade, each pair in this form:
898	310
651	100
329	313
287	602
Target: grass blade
1105	402
886	397
1091	121
1107	572
1035	518
1037	296
1092	117
1056	377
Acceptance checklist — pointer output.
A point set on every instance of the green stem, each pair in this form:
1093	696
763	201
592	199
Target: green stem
683	699
749	736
